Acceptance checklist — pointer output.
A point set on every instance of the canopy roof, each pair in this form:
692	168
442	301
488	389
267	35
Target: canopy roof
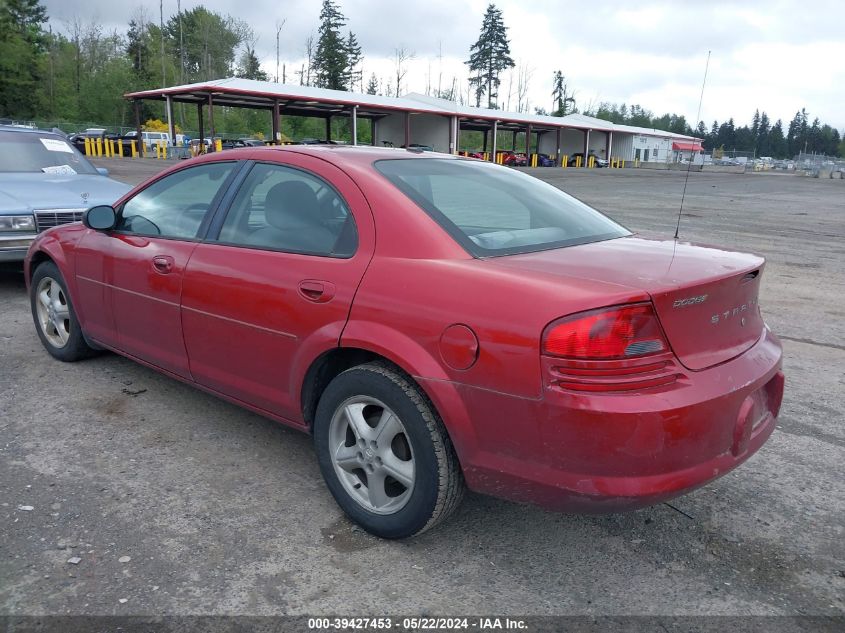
687	147
311	101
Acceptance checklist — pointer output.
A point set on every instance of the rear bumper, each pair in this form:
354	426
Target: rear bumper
13	248
597	453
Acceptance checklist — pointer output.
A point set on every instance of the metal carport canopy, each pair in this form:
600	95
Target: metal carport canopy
311	101
322	102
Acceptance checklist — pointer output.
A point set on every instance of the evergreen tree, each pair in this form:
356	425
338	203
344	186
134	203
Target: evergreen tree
354	74
755	126
560	95
372	85
489	56
777	141
22	42
331	59
138	50
813	137
763	147
26	18
250	67
834	143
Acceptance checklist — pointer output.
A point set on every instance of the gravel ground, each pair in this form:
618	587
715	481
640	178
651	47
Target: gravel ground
175	502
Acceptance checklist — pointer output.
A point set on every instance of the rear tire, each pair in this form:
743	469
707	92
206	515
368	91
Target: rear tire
54	315
385	454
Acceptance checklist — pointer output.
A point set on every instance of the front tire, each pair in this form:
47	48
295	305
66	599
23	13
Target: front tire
385	454
54	316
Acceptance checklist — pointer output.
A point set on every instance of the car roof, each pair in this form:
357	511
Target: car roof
25	130
338	154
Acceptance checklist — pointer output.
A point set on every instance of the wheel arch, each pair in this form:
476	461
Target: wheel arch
34	261
442	394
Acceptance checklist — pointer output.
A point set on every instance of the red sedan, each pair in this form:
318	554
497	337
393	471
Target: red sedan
434	322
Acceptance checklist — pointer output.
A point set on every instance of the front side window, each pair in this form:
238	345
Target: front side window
286	209
176	205
492	211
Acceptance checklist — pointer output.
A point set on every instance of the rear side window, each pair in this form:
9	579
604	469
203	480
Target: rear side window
491	210
285	209
176	205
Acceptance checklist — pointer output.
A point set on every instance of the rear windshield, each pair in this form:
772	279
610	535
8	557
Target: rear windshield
40	153
492	210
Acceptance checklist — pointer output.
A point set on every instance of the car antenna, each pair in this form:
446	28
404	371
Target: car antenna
689	165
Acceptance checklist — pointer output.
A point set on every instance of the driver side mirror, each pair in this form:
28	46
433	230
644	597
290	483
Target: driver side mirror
100	218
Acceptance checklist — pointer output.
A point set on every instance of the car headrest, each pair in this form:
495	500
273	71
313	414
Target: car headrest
291	204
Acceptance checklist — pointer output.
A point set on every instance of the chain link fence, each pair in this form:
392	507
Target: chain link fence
820	165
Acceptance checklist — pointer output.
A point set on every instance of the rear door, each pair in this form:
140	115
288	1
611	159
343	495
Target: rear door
157	231
271	287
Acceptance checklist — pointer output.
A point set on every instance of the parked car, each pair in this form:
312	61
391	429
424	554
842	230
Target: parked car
433	322
44	181
544	160
78	139
419	148
150	139
599	162
514	159
229	143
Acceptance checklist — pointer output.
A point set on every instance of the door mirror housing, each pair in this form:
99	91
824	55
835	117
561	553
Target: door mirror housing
100	218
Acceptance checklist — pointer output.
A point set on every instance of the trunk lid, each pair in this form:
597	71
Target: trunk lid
705	297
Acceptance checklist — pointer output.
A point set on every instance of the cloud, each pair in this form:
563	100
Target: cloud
776	55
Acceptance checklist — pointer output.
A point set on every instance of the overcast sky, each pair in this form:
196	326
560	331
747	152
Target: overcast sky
776	55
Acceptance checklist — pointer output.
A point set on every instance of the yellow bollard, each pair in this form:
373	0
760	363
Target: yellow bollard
564	161
120	147
133	149
87	146
591	162
106	148
98	144
218	145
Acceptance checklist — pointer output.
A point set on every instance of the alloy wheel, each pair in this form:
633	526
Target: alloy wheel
53	312
372	455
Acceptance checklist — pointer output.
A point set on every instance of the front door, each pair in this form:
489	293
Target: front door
156	233
272	286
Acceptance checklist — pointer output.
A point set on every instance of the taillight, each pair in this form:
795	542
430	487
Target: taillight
620	332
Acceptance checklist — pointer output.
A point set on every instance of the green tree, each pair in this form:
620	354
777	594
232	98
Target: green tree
138	50
564	102
777	141
249	66
210	43
372	85
763	147
354	57
22	43
331	58
489	56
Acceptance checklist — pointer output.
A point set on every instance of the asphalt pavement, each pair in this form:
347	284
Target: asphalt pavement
125	492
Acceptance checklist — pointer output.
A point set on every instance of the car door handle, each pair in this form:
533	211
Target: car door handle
163	263
316	290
